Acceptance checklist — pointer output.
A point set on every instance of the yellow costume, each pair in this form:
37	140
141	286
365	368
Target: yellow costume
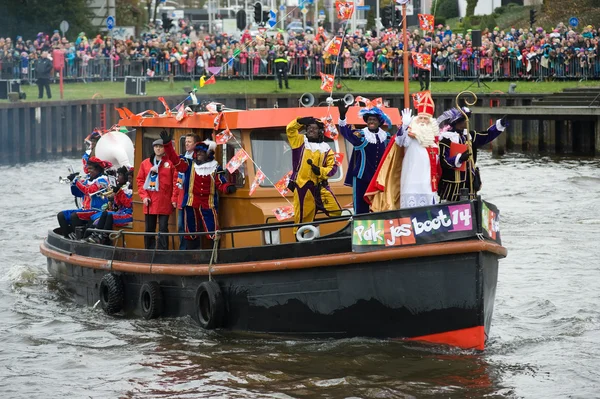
312	191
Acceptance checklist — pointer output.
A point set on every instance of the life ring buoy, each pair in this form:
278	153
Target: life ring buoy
151	300
111	293
314	233
210	306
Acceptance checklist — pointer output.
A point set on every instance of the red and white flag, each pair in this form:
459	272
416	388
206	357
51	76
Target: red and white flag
259	178
344	10
217	120
422	61
339	157
365	101
238	159
327	82
284	212
224	136
330	129
167	109
334	46
426	22
378	102
150	72
180	113
282	184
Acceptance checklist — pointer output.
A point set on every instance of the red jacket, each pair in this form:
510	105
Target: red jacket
160	201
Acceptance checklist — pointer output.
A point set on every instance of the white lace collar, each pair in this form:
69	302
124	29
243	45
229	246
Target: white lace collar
321	147
454	136
206	168
372	137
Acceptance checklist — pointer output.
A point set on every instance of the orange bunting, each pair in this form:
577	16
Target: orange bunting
426	22
330	129
284	212
282	184
167	109
422	61
210	81
180	113
224	136
327	82
217	121
339	157
365	101
334	46
344	10
378	102
259	178
238	159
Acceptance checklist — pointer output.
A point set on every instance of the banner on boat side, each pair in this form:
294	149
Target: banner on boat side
490	221
412	226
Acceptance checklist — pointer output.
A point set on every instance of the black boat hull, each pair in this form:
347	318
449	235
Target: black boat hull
444	299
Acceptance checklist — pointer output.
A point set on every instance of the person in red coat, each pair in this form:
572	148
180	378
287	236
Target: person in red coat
155	187
205	179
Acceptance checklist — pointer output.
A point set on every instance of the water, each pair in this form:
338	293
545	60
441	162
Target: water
544	343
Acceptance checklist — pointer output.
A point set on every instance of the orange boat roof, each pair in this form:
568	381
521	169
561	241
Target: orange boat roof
247	119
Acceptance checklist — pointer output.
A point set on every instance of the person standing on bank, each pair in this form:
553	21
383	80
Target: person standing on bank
458	152
369	146
155	182
281	67
43	71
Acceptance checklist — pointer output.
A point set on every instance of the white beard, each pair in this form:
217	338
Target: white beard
425	133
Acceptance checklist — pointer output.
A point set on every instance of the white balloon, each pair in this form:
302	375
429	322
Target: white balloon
116	148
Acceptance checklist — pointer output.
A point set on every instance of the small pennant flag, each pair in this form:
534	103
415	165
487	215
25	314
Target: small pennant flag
417	97
180	114
339	157
214	70
217	120
224	136
326	82
150	72
365	101
330	129
378	102
422	61
284	212
167	109
344	10
426	22
259	178
334	46
262	31
282	184
238	159
211	81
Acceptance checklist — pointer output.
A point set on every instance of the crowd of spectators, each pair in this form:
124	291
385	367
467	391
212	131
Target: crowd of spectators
513	53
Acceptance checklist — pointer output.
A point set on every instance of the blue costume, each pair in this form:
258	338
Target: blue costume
369	148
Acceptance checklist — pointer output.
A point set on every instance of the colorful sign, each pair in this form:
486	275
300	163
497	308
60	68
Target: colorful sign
490	221
414	226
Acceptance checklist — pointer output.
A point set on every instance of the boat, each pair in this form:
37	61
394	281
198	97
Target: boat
424	274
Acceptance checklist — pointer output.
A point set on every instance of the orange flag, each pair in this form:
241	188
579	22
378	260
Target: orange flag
224	136
167	109
210	81
282	184
344	10
327	82
284	212
426	22
422	61
259	178
334	46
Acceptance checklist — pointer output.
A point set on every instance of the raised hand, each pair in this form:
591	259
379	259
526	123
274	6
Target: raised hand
307	120
406	117
166	136
343	109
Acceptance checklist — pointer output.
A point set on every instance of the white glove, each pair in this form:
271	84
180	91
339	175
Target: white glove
406	117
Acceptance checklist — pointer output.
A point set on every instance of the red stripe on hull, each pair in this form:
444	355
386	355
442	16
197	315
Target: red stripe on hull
466	338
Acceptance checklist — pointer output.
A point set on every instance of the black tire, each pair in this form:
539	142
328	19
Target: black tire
210	307
111	293
151	300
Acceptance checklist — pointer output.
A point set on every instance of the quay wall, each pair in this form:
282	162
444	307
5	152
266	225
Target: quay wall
32	131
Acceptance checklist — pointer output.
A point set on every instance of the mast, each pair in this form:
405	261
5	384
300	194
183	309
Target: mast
405	55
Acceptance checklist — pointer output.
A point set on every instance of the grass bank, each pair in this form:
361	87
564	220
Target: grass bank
82	91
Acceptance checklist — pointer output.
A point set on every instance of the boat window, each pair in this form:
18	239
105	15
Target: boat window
273	154
150	134
229	150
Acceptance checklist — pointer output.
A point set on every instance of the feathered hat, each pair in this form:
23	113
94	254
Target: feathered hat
376	112
206	145
100	163
452	116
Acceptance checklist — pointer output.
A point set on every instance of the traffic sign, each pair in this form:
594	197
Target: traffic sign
574	21
110	22
282	8
64	26
304	11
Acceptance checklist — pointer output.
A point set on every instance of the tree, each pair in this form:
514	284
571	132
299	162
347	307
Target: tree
471	4
129	14
370	20
28	17
445	8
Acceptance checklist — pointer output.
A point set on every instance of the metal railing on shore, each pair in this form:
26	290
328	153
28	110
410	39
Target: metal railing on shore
301	67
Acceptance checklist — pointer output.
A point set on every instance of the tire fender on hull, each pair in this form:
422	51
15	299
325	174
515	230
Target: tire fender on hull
210	306
151	300
111	293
